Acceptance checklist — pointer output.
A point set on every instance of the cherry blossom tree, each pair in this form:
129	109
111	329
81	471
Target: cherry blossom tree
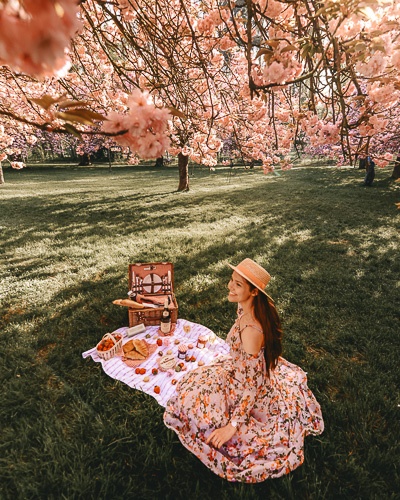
263	75
343	57
183	56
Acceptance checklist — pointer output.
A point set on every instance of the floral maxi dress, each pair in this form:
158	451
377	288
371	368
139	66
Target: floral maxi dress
273	414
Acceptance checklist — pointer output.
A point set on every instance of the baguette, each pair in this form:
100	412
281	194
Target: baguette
128	303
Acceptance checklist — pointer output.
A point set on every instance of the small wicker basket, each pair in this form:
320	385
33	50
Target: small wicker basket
106	355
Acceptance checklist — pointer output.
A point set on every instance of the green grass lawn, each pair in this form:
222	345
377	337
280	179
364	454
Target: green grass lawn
67	237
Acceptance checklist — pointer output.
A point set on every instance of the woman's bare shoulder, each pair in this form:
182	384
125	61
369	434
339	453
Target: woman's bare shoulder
252	339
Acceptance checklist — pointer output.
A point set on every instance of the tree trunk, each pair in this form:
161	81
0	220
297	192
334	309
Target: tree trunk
109	159
2	181
362	163
159	162
183	162
85	160
396	169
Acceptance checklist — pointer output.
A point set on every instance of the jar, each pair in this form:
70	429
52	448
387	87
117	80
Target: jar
182	350
202	341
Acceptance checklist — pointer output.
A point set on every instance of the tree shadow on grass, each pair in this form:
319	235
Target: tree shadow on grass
332	293
332	281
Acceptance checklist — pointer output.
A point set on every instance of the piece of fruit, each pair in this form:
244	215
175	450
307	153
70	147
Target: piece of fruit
173	381
159	342
137	371
154	371
157	389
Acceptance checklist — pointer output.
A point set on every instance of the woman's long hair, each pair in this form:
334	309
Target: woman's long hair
266	314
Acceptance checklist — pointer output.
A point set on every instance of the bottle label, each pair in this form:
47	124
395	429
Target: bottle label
165	327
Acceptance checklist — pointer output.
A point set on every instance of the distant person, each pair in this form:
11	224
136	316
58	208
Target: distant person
370	172
246	415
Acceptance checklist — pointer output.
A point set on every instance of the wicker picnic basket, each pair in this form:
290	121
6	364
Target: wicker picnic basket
152	279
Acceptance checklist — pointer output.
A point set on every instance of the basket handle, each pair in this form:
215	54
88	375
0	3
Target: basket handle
108	335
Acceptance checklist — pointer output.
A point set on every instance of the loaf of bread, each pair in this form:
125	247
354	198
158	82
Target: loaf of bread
128	303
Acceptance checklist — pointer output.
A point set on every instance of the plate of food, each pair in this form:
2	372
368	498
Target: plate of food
135	351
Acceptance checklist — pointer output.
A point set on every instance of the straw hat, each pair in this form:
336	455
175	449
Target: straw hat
253	273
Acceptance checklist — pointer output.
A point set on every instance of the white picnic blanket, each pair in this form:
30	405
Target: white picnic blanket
117	369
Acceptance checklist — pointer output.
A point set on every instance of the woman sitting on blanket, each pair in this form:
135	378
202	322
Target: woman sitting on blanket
245	416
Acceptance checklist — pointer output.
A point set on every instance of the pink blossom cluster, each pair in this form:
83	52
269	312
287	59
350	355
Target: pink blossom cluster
282	67
329	133
268	165
212	20
206	25
133	160
5	139
374	66
17	165
286	163
270	8
383	161
378	123
383	94
203	148
35	34
129	10
31	139
365	130
279	72
320	132
350	29
395	59
226	43
144	126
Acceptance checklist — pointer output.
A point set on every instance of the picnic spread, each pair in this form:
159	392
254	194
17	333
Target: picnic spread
189	346
157	348
208	386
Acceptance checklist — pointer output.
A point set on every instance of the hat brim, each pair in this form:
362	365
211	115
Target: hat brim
250	281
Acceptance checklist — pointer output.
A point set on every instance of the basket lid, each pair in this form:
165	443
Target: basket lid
151	277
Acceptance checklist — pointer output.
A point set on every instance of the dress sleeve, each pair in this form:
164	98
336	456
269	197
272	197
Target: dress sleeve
249	378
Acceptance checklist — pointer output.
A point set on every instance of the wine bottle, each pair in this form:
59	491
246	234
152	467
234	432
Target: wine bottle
165	325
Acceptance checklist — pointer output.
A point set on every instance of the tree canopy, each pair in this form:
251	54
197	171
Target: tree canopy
257	78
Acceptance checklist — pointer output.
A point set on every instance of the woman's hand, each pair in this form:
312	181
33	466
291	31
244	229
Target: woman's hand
220	436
